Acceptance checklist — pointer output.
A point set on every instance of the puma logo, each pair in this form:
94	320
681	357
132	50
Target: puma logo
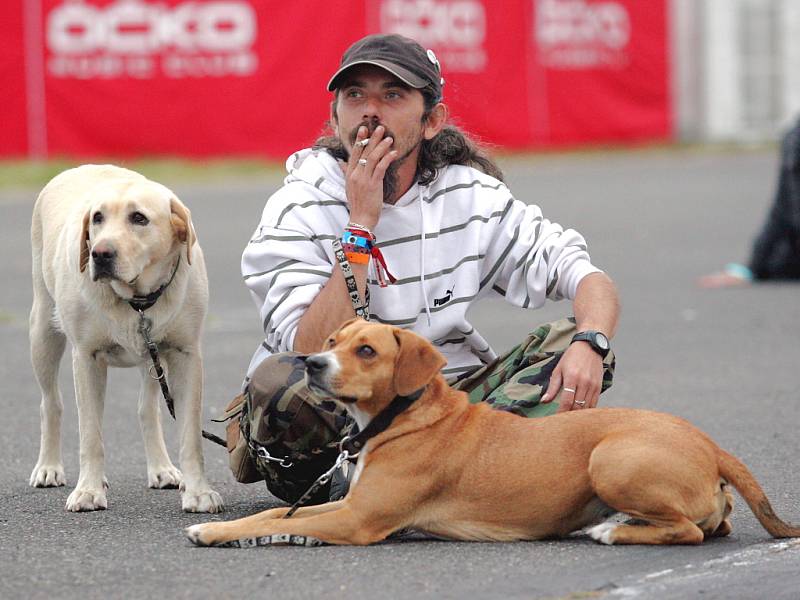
444	299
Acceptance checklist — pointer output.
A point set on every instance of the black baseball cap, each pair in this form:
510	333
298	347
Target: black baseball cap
401	56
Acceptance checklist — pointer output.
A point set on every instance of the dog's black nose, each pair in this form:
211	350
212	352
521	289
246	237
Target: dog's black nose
103	256
315	364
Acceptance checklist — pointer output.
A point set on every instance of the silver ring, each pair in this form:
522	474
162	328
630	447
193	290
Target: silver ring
570	390
362	161
580	402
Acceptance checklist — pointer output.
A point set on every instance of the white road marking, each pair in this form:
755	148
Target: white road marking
760	553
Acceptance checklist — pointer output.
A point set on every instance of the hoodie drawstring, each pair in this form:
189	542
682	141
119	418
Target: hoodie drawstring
423	289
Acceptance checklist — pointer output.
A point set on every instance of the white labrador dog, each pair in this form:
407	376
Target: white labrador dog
102	235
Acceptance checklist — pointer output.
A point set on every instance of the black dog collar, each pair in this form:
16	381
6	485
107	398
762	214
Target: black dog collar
353	445
144	302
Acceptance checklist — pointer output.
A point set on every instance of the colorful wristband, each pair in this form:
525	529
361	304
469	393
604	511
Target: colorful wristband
357	258
349	237
357	239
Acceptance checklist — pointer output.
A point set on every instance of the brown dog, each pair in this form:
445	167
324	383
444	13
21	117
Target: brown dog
467	472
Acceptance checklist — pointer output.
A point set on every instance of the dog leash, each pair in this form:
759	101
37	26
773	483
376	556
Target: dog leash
343	457
157	373
278	539
141	304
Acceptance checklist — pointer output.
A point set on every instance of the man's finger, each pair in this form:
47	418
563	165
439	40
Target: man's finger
383	164
369	148
553	387
379	151
567	401
374	140
358	147
593	399
579	401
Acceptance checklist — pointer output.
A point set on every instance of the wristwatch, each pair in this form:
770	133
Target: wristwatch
597	340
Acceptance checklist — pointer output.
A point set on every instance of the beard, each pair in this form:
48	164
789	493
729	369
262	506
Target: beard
390	178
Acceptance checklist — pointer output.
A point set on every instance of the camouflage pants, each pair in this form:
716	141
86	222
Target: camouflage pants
281	425
517	380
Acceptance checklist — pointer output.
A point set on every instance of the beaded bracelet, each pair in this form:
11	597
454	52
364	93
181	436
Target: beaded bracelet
358	227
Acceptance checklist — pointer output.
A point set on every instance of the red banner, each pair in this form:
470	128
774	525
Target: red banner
184	77
247	77
14	138
602	71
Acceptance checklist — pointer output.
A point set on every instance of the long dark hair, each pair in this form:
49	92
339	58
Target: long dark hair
451	146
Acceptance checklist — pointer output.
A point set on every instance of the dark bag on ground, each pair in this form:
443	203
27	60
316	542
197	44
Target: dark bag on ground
276	435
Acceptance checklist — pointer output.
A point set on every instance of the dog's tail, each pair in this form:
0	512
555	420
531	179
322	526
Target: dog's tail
737	474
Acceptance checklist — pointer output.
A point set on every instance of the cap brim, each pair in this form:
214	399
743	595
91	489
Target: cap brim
401	73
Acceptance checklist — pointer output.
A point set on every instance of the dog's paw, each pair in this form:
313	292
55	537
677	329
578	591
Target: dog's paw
603	533
85	499
164	478
48	476
195	535
204	501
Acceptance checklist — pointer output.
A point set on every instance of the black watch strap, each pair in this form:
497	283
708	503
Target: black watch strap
596	339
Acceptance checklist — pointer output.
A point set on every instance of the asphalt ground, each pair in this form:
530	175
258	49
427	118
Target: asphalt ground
727	360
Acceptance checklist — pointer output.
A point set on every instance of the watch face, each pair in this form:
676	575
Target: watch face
601	340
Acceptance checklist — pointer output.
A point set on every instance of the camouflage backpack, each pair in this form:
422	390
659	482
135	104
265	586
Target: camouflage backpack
276	435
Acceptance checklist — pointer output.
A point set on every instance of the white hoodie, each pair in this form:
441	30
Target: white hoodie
479	241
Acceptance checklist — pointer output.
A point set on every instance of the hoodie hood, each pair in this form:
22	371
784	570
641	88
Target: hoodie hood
317	168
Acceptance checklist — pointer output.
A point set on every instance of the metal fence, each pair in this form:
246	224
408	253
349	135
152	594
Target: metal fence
736	68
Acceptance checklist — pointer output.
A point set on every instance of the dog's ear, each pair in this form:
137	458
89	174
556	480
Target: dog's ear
417	362
181	220
83	243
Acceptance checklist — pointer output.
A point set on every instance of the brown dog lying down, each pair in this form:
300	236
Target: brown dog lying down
467	472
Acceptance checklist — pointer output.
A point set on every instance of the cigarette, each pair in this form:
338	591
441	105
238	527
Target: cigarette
363	142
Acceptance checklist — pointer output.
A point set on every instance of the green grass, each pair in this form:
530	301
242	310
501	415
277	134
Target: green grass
34	174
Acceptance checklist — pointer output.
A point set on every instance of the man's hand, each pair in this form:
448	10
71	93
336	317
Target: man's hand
364	175
579	374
